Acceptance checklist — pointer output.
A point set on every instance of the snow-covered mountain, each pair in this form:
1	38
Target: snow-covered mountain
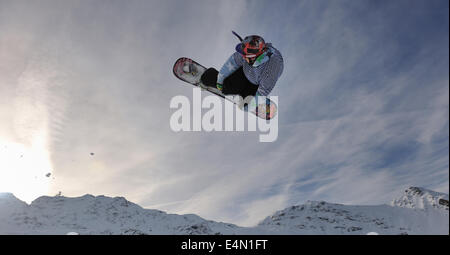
420	198
97	215
418	211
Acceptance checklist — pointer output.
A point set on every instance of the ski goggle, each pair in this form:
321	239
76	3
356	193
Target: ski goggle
248	51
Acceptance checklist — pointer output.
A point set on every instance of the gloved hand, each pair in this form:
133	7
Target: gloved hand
219	86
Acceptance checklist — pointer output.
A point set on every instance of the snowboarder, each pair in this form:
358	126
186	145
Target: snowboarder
250	72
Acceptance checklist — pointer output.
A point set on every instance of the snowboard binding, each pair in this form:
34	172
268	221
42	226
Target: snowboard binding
189	68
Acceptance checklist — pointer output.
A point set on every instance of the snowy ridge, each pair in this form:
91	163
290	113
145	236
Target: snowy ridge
418	211
98	215
420	198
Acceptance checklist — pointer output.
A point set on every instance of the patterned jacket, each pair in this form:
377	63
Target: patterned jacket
264	73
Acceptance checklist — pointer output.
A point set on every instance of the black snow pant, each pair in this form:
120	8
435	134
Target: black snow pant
235	84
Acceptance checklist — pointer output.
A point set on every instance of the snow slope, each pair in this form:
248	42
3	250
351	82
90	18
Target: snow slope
417	211
97	215
420	198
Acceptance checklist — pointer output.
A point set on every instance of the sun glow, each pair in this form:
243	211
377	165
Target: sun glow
25	170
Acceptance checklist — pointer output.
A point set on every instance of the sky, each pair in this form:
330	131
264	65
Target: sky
86	88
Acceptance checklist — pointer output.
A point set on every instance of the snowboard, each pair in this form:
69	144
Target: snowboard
190	71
